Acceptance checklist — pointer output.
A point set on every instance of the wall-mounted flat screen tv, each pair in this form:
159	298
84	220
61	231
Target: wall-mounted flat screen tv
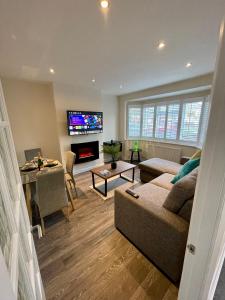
84	122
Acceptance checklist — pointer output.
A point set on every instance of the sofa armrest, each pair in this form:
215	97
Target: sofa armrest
164	216
157	232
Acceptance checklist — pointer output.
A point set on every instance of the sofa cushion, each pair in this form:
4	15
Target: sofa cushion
186	209
164	181
197	154
158	166
186	169
152	193
182	191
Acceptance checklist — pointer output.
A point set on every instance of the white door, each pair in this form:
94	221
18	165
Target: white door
207	228
19	271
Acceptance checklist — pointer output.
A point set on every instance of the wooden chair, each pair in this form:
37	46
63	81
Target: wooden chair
70	160
51	193
31	153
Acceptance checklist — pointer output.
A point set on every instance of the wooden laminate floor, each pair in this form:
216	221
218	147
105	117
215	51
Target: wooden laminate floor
87	258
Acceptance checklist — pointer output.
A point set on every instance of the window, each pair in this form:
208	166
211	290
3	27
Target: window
204	121
172	121
160	122
183	121
134	121
148	121
190	121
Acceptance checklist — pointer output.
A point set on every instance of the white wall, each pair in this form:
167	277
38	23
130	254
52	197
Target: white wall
75	97
37	113
32	116
111	118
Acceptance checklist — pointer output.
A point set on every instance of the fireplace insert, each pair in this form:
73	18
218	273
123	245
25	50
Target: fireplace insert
85	151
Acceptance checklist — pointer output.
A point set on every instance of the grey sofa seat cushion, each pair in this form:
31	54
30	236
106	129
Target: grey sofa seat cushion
158	166
182	191
186	209
151	193
164	181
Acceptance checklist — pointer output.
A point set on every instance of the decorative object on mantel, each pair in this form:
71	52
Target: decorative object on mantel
113	149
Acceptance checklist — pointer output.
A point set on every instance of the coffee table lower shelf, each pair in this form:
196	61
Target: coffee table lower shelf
106	182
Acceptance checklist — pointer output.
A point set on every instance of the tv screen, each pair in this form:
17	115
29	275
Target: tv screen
84	122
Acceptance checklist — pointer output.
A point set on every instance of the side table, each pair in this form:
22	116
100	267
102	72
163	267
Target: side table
132	150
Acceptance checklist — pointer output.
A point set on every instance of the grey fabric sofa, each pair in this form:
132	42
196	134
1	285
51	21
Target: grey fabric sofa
159	233
154	167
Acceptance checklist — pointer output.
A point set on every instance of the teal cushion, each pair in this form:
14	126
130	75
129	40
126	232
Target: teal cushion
186	169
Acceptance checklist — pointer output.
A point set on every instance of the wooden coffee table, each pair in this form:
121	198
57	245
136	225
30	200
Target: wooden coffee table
122	167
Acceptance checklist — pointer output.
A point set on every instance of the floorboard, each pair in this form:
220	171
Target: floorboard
87	258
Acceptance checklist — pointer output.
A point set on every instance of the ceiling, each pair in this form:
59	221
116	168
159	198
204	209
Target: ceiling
117	48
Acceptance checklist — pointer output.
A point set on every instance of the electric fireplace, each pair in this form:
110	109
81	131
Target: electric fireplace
85	151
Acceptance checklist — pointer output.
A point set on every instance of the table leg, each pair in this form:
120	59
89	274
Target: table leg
131	157
28	201
104	193
93	180
105	187
69	195
139	159
133	175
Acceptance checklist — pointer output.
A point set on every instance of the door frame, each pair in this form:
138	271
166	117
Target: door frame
207	227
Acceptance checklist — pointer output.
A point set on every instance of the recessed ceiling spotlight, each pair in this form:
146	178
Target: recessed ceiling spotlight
188	65
104	3
93	80
52	71
161	45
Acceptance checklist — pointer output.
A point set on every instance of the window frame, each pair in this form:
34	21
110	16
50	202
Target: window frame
154	103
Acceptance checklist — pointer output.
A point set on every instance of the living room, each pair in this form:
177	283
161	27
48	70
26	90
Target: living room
118	112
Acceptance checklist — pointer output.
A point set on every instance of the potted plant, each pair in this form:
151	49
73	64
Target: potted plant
113	149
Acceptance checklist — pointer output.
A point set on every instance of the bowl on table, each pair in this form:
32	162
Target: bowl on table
50	163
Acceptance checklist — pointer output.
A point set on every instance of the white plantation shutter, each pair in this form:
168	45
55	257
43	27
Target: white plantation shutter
190	122
160	123
180	121
148	121
205	117
18	259
172	121
134	121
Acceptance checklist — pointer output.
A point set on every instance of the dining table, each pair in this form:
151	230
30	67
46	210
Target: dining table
29	173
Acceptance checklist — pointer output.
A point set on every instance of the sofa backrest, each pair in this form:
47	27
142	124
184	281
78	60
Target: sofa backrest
186	209
180	198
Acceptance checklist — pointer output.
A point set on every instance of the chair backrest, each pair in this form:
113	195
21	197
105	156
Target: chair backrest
51	191
31	153
70	160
